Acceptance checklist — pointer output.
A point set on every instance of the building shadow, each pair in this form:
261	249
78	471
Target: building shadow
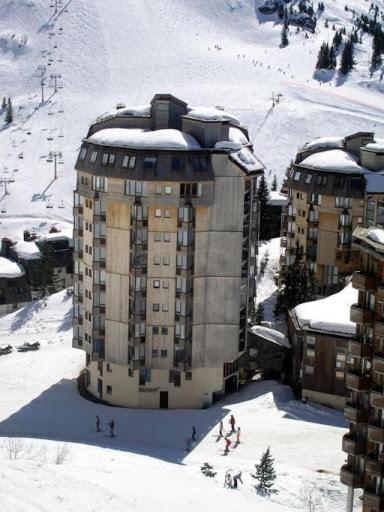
25	314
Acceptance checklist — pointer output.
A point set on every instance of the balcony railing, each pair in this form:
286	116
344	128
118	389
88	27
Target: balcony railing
376	398
358	381
375	432
364	282
349	477
352	445
374	464
372	501
361	315
379	327
357	348
378	362
355	413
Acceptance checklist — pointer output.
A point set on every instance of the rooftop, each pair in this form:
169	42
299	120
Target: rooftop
9	269
334	160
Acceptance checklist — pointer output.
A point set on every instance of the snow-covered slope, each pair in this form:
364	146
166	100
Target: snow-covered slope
146	467
207	52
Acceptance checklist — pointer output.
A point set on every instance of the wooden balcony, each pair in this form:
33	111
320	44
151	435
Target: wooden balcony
380	291
379	327
374	465
358	382
283	242
376	399
378	362
364	282
373	502
357	348
355	413
77	255
350	478
361	315
375	433
352	445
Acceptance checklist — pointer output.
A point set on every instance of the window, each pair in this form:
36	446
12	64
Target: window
93	158
157	212
157	260
156	307
109	369
199	163
155	353
164	353
150	162
129	162
370	215
339	375
177	163
158	190
311	345
321	180
104	159
341	357
297	175
316	199
155	329
343	202
339	182
308	369
83	153
99	183
166	260
144	376
188	375
380	212
190	189
174	376
157	239
134	188
165	284
164	308
167	237
111	160
164	331
168	190
109	390
308	178
156	283
167	214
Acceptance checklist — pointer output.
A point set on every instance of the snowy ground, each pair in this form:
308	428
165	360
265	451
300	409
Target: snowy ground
145	466
266	286
108	52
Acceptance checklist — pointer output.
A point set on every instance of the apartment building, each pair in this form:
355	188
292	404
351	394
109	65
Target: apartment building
326	203
165	241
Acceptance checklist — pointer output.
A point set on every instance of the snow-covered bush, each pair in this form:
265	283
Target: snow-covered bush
207	470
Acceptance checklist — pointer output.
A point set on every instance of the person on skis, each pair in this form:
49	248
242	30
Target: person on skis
111	425
98	423
193	438
232	422
227	444
238	432
221	426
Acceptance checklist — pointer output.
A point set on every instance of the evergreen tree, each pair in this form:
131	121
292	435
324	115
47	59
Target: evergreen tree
42	278
263	198
337	39
284	37
259	314
347	61
265	473
280	11
9	112
274	183
4	104
323	57
332	58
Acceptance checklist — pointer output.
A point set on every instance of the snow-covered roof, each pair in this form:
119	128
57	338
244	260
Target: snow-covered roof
377	146
325	142
277	198
211	114
133	111
334	160
374	182
236	135
10	269
271	335
376	235
331	314
246	159
135	138
26	250
64	234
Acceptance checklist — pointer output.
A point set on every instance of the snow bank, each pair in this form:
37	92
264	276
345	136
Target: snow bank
277	198
10	269
271	335
26	250
212	114
325	142
141	139
331	314
334	160
376	235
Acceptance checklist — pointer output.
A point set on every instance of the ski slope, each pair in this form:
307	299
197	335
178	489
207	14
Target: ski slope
145	467
207	52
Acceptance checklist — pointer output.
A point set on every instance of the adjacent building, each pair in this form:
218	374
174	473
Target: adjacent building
326	185
165	240
14	289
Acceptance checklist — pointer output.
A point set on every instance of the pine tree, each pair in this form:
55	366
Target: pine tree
323	57
265	473
274	183
9	113
332	58
259	314
42	278
347	61
263	198
4	104
284	37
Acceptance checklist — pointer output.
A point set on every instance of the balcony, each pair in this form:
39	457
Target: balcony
350	478
77	320
357	381
372	501
99	242
77	255
283	242
77	299
358	348
361	315
379	327
380	291
77	210
355	413
77	233
374	465
364	282
378	362
376	398
352	445
375	433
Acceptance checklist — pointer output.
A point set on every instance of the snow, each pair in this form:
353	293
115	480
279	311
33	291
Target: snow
26	250
334	160
10	269
212	114
376	235
277	198
246	159
375	146
331	314
271	335
141	139
236	135
63	234
325	142
136	111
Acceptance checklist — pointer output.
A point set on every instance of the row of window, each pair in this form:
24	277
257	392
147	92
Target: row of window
322	180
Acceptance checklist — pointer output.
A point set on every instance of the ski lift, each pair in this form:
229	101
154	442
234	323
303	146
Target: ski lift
21	156
49	205
61	134
61	162
61	110
55	45
29	132
60	87
51	113
49	160
61	205
50	138
3	209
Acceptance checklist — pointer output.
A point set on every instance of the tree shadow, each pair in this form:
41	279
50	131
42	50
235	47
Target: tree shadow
324	75
25	314
341	79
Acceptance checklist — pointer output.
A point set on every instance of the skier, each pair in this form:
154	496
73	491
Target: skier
232	422
238	435
188	445
228	480
227	444
111	425
98	423
193	438
221	428
236	477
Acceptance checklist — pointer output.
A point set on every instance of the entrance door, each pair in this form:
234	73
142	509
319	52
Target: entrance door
163	399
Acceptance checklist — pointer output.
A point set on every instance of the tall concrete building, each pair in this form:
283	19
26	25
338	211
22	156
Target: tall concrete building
165	232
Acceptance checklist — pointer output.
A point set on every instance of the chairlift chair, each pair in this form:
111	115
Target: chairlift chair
48	205
50	138
61	205
21	156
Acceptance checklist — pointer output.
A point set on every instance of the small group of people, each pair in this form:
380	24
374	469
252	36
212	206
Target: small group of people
237	431
111	425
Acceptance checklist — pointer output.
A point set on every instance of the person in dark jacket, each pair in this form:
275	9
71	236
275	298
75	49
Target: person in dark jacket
98	424
193	438
232	422
111	425
236	478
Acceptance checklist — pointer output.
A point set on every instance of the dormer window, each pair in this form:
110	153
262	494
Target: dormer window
177	163
129	162
93	157
199	163
83	153
150	162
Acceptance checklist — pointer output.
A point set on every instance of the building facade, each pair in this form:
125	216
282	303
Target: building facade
165	237
326	203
